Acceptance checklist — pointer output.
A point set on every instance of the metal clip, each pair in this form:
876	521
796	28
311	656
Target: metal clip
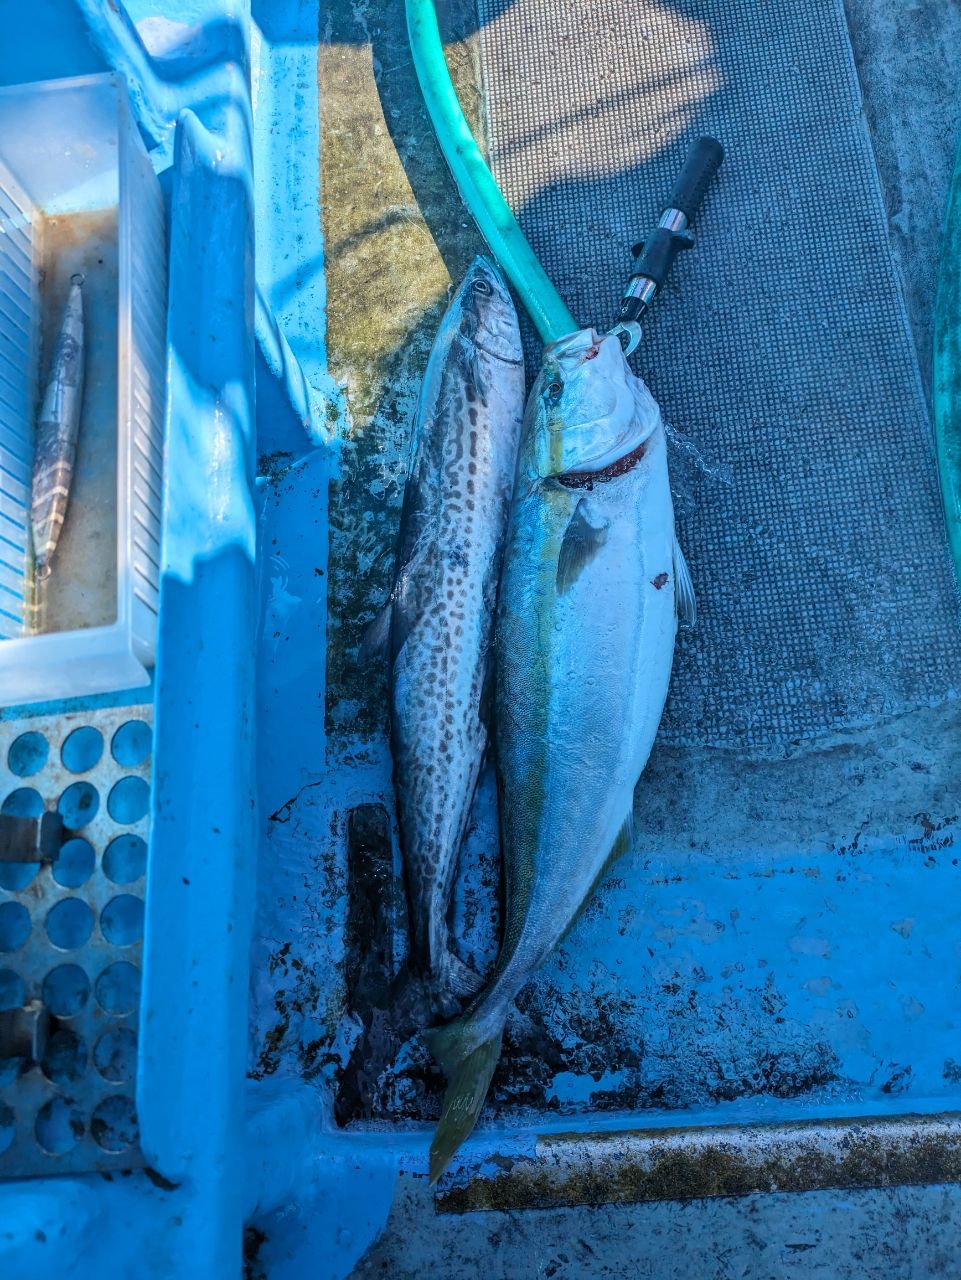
629	332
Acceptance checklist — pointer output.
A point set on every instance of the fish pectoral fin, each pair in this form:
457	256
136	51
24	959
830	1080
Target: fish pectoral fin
394	621
377	636
685	601
584	537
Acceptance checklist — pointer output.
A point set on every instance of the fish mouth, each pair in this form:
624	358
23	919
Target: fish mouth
490	319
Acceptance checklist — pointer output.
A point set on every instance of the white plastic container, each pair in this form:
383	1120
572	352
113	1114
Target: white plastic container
78	194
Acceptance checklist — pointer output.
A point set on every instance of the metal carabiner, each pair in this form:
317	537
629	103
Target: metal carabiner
629	332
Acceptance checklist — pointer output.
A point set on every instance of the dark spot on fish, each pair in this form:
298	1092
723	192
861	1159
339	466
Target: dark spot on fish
472	417
588	479
469	393
472	468
473	439
659	581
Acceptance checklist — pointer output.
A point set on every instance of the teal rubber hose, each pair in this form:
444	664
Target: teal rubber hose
947	368
476	183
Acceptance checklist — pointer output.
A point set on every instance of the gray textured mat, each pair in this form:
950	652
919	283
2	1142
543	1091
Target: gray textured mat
780	348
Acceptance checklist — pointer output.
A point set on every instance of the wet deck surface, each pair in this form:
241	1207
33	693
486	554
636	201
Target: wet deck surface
735	956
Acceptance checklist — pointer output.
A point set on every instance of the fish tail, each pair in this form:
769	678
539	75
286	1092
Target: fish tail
468	1067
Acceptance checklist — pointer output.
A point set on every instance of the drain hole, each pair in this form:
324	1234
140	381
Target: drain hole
14	925
23	803
15	876
129	800
115	1055
69	924
114	1124
28	754
7	1126
66	990
131	743
65	1057
59	1126
78	805
125	859
82	749
121	921
75	863
12	992
118	988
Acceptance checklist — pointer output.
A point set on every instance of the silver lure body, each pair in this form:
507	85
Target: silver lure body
441	611
57	429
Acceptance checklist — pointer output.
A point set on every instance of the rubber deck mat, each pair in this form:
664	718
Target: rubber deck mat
779	350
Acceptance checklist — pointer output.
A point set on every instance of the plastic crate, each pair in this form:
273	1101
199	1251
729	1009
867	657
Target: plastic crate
78	194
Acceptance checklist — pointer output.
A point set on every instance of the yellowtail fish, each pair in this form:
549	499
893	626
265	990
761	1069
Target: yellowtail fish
593	583
437	626
57	428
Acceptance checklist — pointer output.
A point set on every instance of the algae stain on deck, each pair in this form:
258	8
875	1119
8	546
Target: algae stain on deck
396	235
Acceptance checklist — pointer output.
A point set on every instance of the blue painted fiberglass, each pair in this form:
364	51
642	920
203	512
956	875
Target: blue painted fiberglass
240	729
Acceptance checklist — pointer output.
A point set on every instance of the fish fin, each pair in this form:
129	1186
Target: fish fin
685	601
468	1068
582	541
451	983
623	843
377	636
464	981
394	621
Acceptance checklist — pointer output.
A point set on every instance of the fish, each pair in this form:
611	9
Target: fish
593	585
56	437
436	627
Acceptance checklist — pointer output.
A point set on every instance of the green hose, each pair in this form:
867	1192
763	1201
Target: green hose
475	181
947	369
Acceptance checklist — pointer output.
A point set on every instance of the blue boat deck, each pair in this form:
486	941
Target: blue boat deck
763	996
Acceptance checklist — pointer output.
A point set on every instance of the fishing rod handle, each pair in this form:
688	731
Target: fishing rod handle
703	161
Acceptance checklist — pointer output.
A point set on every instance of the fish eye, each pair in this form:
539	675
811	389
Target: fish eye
481	286
554	389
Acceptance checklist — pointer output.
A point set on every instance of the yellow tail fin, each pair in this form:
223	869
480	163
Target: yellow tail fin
468	1072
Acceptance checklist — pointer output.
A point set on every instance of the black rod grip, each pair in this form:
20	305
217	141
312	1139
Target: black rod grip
702	163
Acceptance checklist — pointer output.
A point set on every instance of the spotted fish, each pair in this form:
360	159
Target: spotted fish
437	625
593	582
56	439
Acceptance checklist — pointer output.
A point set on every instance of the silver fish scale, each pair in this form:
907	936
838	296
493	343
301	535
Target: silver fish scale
444	602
